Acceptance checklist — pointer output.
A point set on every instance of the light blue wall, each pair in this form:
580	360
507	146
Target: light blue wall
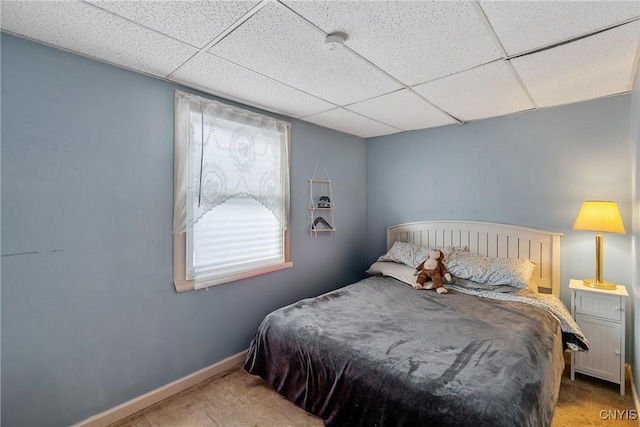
90	318
532	169
89	315
635	131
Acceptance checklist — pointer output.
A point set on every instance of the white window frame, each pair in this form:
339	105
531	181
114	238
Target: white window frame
180	256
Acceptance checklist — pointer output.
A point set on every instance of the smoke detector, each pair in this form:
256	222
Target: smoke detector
334	41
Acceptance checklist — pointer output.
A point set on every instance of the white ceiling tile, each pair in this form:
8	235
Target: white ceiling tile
83	28
351	123
279	44
403	110
442	43
524	25
193	22
217	76
490	90
588	68
415	41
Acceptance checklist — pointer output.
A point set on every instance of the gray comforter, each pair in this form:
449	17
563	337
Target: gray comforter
380	353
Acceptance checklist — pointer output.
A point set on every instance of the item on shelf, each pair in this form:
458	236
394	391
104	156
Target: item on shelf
321	221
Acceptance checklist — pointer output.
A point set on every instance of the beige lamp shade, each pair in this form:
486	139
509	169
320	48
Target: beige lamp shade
599	215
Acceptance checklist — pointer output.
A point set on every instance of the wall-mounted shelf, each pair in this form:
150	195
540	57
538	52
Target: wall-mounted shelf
321	203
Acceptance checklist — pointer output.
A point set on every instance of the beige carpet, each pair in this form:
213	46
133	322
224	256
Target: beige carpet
239	399
582	402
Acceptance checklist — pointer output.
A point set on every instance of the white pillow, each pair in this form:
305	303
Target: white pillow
491	271
475	286
402	272
412	255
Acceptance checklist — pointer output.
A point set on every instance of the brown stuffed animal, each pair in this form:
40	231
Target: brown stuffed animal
433	268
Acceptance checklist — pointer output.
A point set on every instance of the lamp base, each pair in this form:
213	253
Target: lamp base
603	284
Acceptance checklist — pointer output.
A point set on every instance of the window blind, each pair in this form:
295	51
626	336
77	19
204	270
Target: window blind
231	190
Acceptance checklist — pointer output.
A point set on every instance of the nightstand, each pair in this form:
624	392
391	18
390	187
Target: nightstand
600	313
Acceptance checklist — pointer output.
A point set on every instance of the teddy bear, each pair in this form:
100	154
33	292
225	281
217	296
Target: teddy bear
433	268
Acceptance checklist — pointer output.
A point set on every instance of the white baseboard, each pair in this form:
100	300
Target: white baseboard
122	411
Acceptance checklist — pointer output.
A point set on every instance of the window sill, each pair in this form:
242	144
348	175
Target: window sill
195	284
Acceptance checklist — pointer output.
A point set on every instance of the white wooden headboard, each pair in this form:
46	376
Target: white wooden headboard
493	240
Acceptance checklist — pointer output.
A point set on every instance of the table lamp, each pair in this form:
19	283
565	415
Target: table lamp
600	216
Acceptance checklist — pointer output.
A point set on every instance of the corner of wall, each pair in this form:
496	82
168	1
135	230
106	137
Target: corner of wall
635	227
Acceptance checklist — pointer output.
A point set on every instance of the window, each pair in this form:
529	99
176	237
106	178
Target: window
231	193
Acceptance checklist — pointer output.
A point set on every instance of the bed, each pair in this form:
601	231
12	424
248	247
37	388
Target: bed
381	353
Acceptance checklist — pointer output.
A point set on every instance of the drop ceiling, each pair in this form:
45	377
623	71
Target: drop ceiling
405	65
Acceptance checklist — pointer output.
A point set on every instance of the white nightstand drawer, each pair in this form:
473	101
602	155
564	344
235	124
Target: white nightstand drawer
603	306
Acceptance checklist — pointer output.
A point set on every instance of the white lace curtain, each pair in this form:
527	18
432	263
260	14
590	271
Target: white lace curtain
221	152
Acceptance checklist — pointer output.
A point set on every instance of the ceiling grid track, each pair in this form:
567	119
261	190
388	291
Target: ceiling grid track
572	39
136	23
374	66
224	34
483	17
